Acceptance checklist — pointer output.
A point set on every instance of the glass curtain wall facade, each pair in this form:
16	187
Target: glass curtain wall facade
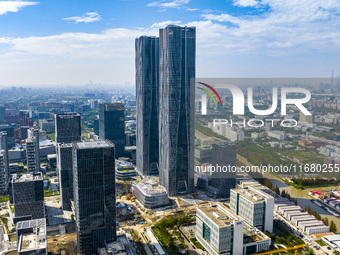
94	194
67	127
147	89
177	101
112	125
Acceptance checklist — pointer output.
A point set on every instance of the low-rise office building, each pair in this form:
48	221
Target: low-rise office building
31	237
150	194
253	205
219	230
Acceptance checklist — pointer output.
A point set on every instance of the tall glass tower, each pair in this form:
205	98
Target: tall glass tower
67	127
112	125
177	53
94	194
147	88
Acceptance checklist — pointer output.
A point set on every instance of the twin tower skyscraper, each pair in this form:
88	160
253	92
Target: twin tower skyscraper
165	86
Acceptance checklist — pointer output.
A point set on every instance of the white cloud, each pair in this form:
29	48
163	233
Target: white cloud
165	23
245	3
169	4
86	18
14	6
288	27
191	9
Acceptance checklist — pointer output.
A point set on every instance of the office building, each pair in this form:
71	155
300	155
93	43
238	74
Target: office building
4	163
2	113
32	151
223	156
31	237
112	125
219	230
67	127
9	129
94	194
150	194
65	174
28	197
253	205
24	119
147	95
177	108
306	118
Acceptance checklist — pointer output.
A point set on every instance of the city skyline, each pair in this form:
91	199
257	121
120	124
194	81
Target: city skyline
78	45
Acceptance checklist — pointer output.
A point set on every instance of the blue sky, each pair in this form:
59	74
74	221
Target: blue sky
51	42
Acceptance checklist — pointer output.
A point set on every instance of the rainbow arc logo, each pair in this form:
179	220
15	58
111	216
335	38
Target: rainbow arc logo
204	97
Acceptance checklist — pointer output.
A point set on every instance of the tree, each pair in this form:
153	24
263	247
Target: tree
277	190
332	226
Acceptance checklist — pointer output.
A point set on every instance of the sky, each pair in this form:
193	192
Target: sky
72	42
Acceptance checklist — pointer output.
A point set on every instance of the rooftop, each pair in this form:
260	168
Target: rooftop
27	177
35	239
150	186
220	215
93	144
253	194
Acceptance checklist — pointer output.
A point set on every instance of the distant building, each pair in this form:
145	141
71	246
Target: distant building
2	113
67	127
94	194
147	87
65	174
223	155
219	230
112	125
232	133
31	237
203	153
311	143
253	205
4	163
44	115
32	151
28	197
280	135
150	194
177	57
306	118
46	125
9	129
23	132
336	137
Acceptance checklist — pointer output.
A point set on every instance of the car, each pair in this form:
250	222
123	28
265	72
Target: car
329	248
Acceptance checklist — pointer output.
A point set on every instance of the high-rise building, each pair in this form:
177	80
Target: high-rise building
2	113
147	95
112	125
65	174
94	194
4	152
67	127
219	230
223	156
32	151
9	129
28	197
24	118
176	109
67	130
254	205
